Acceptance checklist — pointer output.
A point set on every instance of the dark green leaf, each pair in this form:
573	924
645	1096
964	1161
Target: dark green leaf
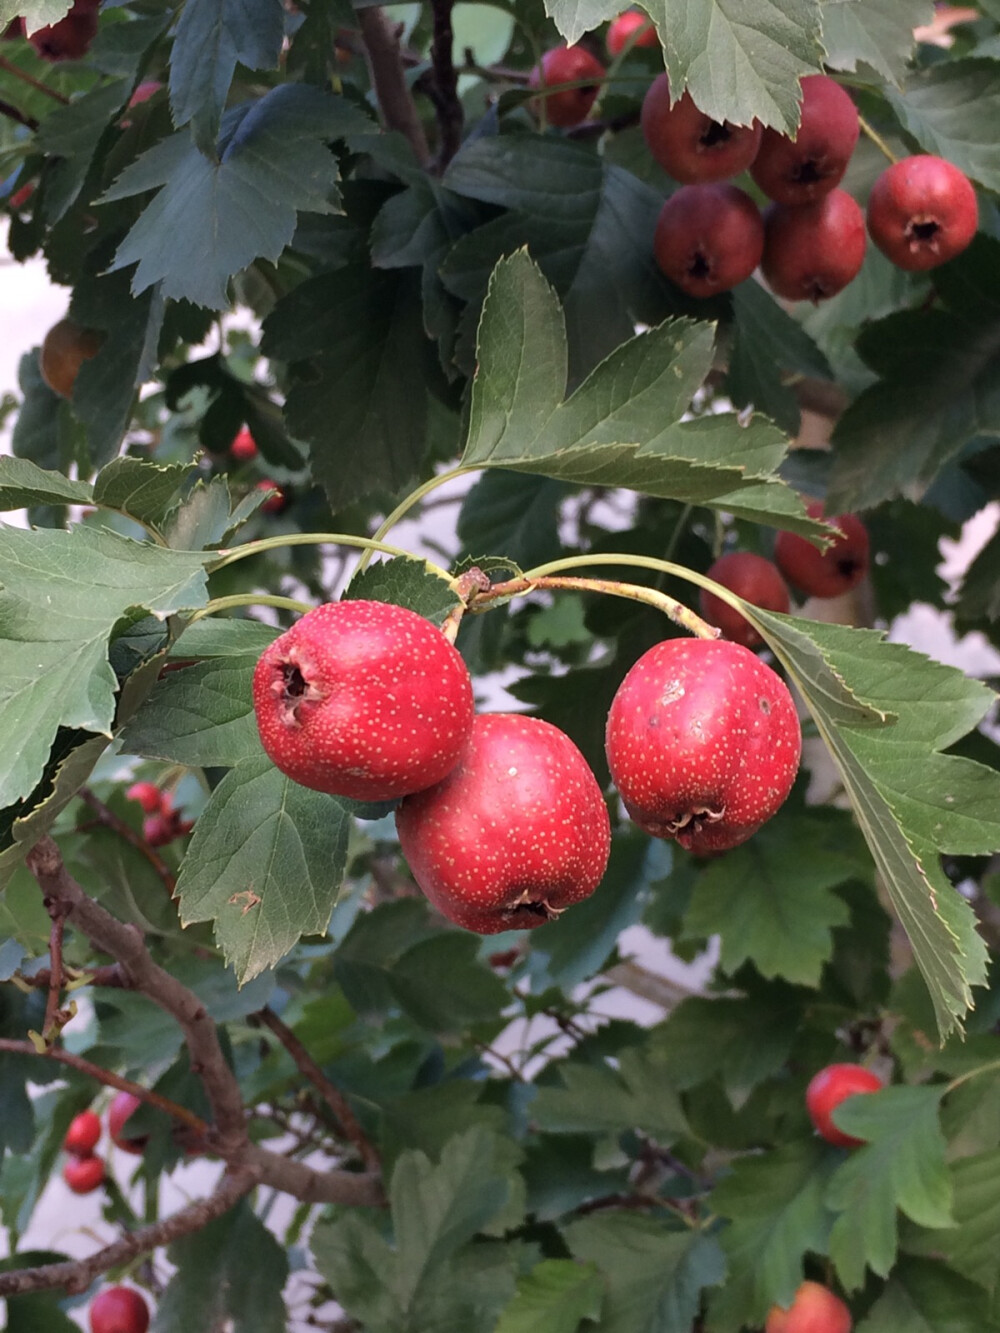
596	1099
876	33
143	490
23	483
553	1298
202	716
927	1297
405	583
950	110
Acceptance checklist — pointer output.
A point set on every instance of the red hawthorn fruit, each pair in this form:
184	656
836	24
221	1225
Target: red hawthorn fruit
122	1106
568	64
922	212
277	500
814	1309
160	829
709	238
20	197
812	251
622	28
244	446
799	170
690	145
148	795
70	38
828	1089
703	743
363	699
828	573
147	89
517	832
84	1174
754	579
64	349
14	29
119	1310
83	1135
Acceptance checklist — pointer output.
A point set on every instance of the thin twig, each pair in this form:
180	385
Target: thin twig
109	976
76	1275
386	67
12	113
110	820
331	1095
56	977
447	104
30	79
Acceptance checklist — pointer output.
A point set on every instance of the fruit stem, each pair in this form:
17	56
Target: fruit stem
320	539
987	1068
677	611
406	505
249	599
870	132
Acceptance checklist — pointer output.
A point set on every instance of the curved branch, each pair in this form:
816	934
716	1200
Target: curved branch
447	104
386	66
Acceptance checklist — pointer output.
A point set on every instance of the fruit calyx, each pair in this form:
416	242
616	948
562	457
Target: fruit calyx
292	684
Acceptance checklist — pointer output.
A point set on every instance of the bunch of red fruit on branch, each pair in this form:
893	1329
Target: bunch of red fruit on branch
84	1172
162	823
501	820
810	241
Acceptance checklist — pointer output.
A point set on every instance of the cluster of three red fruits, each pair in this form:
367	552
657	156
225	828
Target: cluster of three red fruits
501	820
84	1172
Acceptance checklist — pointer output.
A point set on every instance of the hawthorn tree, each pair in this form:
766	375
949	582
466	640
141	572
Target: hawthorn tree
321	260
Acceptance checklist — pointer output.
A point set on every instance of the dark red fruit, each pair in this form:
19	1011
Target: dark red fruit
363	699
20	197
64	349
148	795
828	573
814	1309
622	28
70	38
83	1135
147	89
119	1310
515	834
122	1106
691	146
159	830
568	64
828	1089
277	500
14	29
703	743
708	238
84	1174
754	579
922	212
244	446
799	170
811	252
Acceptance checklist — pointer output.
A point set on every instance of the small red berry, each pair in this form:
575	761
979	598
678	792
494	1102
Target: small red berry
690	145
84	1174
812	251
799	170
517	832
21	197
122	1106
828	573
922	212
159	830
119	1310
568	64
751	577
814	1309
70	38
147	89
244	446
622	28
277	500
703	743
83	1135
828	1089
147	794
709	238
363	699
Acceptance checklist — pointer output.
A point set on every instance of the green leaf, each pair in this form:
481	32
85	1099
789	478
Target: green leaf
71	135
970	1245
358	391
925	707
36	13
63	593
653	1277
230	1272
901	1166
513	513
876	33
202	716
405	582
623	426
273	161
938	386
224	637
776	1211
210	38
139	488
553	1298
771	900
23	483
738	60
596	1099
264	865
950	109
39	1312
927	1297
